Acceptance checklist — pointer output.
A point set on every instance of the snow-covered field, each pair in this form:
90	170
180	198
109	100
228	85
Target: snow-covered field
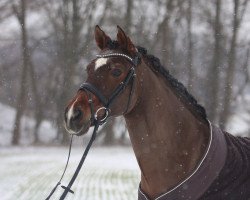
30	173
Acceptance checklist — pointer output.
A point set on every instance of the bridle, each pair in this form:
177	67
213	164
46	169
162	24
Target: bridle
106	102
90	89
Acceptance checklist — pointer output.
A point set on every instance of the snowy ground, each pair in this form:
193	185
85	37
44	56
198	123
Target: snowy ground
30	173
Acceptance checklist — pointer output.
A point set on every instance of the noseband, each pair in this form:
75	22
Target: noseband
91	89
106	102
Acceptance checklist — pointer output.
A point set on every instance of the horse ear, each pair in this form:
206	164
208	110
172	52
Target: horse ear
101	38
125	42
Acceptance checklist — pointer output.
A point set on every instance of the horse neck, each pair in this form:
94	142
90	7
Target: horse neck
168	140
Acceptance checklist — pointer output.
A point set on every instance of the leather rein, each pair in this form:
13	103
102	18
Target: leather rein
95	120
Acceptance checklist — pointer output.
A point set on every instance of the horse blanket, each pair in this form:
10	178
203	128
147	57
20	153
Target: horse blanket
224	174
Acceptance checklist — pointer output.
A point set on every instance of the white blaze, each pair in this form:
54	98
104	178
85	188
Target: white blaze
100	62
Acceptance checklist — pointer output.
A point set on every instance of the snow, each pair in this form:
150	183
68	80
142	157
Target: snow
30	173
239	122
7	115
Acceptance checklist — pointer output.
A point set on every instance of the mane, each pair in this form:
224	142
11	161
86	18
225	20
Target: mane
178	87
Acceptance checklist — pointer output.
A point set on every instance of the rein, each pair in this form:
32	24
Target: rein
95	121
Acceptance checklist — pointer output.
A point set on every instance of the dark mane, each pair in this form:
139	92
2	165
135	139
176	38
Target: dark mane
180	89
175	84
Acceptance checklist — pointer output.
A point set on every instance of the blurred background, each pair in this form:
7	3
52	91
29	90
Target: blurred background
45	46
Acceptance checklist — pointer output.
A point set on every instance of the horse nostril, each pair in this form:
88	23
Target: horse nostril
77	114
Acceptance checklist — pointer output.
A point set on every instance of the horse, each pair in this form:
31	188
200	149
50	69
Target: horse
181	155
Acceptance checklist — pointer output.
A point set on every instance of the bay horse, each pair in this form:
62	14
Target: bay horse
181	155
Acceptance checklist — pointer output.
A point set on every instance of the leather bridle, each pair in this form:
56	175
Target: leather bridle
95	120
106	102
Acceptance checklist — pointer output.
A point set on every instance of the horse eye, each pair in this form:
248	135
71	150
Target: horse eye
116	72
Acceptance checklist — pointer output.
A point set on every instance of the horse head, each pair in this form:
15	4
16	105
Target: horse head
110	89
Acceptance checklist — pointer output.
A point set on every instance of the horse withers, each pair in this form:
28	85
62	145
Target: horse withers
180	154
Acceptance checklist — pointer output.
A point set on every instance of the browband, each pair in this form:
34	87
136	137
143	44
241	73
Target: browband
134	61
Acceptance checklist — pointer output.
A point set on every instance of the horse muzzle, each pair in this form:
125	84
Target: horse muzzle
76	122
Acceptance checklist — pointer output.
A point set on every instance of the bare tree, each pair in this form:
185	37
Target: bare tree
69	45
246	71
237	19
38	103
214	70
6	10
20	13
190	47
166	31
129	16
